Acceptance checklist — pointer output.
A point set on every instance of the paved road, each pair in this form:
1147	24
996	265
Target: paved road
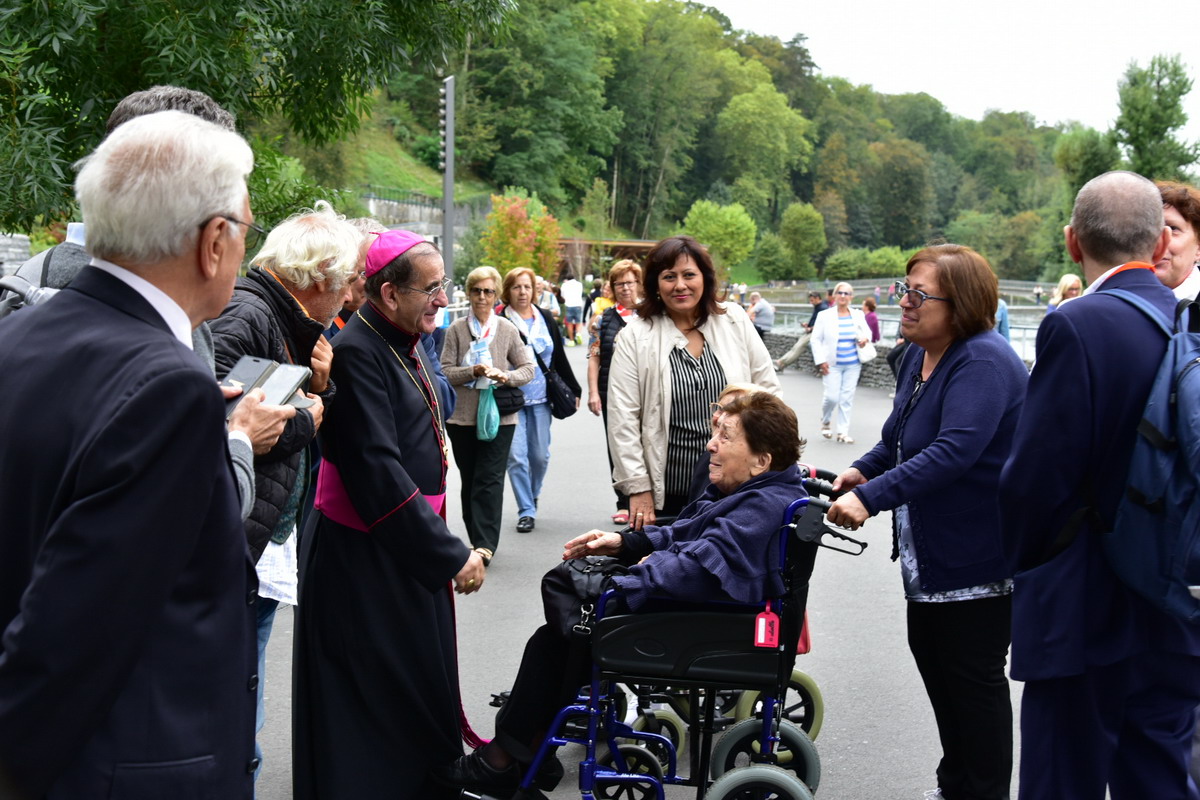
878	741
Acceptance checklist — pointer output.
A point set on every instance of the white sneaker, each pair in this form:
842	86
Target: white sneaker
933	794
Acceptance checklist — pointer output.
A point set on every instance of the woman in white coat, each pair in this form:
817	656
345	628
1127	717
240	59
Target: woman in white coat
838	334
669	365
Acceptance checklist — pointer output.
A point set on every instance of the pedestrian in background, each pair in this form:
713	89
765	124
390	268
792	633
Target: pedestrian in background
529	456
839	333
482	349
624	281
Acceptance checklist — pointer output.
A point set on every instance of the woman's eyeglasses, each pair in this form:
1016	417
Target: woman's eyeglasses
916	298
478	290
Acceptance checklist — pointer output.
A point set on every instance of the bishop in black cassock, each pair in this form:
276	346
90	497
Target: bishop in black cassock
376	703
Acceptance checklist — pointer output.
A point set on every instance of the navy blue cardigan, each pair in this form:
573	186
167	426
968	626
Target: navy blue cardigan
957	436
722	547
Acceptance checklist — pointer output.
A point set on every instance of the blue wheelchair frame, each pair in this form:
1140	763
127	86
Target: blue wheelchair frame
599	706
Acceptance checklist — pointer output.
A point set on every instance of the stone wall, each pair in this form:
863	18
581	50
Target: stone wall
875	373
14	251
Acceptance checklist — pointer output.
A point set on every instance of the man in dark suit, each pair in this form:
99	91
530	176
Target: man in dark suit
1111	682
126	590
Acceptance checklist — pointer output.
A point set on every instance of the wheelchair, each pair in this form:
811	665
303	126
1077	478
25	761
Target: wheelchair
705	662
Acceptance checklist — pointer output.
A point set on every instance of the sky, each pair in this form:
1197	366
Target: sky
1058	59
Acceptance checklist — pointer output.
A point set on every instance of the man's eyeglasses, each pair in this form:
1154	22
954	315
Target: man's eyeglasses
254	233
443	286
916	297
483	292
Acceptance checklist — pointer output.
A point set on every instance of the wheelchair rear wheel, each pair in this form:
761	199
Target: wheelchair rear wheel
638	760
740	746
759	782
803	706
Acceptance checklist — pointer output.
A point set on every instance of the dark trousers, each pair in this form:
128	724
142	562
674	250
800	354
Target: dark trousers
549	677
481	466
1127	726
622	499
960	650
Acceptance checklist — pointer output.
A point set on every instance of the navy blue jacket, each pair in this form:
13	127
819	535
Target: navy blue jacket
722	547
956	437
126	588
1096	360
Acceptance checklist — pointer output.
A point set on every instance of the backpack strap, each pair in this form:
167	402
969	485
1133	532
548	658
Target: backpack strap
1143	305
1088	512
46	266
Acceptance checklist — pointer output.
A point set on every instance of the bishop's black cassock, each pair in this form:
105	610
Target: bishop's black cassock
376	703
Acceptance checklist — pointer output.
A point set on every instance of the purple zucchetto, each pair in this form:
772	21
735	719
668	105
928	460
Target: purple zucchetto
387	246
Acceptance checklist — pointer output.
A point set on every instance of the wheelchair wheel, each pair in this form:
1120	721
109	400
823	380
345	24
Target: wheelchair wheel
638	760
667	723
803	706
759	782
795	753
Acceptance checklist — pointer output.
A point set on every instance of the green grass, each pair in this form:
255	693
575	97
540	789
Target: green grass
373	156
745	273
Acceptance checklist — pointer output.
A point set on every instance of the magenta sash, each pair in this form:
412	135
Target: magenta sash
333	501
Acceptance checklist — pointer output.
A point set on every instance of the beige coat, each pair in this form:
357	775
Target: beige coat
509	353
639	389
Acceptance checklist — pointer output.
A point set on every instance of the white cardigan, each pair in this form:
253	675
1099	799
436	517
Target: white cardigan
825	334
639	389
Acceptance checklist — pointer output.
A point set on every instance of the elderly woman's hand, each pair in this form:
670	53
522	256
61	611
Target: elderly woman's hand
593	543
848	480
848	512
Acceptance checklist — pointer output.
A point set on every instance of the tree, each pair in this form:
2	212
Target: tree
773	259
764	141
539	91
901	181
846	264
803	230
665	82
64	66
1083	153
1151	103
520	233
727	231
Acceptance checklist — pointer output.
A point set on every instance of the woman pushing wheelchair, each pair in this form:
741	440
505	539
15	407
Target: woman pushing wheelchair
720	548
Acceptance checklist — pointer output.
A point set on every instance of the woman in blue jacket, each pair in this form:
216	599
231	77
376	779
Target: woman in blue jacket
937	468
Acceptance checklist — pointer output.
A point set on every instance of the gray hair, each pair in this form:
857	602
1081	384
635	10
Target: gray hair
313	246
1118	217
169	98
148	188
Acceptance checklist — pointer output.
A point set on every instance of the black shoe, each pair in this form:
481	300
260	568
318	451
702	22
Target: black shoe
550	773
525	524
474	774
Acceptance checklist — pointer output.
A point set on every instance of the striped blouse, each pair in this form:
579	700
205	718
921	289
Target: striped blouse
847	345
696	383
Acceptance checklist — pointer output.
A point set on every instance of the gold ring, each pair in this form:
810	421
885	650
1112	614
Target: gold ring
471	582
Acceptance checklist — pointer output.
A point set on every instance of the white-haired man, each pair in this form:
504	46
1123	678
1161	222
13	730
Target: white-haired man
279	311
128	652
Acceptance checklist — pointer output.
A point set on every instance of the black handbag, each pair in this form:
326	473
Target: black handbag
509	399
558	394
570	590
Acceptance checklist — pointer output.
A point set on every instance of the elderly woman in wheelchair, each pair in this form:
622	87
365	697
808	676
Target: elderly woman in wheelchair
723	547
